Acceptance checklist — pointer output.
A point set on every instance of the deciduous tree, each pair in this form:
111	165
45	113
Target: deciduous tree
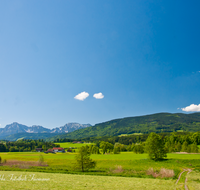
106	146
155	147
83	160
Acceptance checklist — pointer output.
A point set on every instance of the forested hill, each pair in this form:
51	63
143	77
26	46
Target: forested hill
160	122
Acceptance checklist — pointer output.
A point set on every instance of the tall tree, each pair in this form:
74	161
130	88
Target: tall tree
155	147
83	160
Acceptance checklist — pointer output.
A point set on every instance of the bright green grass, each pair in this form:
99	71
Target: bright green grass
179	131
194	180
130	134
133	164
75	145
183	156
61	156
79	182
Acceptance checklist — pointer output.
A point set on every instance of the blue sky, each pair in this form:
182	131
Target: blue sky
143	56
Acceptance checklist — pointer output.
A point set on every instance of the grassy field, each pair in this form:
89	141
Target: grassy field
122	135
74	145
121	156
31	180
133	165
179	131
194	180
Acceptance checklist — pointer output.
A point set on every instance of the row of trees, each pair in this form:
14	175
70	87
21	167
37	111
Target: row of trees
25	145
174	142
173	137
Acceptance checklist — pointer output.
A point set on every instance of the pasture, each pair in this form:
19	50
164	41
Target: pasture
122	135
73	145
132	165
31	180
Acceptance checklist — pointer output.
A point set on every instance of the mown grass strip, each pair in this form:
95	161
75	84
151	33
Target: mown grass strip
83	182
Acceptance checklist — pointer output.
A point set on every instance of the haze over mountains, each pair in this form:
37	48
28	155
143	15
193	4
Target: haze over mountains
16	128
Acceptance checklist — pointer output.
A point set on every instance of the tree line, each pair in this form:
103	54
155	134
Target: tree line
174	142
25	145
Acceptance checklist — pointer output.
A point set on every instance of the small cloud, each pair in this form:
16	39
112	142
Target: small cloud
191	108
82	96
98	95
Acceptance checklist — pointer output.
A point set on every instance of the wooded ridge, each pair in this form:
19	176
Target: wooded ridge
158	123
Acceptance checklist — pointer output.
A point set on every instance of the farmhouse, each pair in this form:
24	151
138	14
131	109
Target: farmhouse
55	149
58	149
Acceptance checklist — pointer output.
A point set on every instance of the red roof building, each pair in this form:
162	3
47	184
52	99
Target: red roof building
58	149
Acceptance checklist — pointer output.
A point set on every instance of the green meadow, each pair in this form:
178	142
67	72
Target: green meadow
111	172
15	180
194	180
133	165
122	135
73	145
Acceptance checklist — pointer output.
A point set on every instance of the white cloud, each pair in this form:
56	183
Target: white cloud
98	95
192	107
82	96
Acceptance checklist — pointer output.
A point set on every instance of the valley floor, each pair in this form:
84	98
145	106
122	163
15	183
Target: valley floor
15	180
113	171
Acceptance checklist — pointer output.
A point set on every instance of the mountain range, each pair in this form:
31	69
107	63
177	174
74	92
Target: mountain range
16	128
158	123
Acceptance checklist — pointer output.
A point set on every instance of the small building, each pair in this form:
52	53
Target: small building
58	149
39	149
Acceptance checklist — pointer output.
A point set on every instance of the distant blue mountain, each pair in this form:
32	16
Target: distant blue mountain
16	128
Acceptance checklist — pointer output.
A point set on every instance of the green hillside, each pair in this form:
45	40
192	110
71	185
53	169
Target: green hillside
33	136
160	122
